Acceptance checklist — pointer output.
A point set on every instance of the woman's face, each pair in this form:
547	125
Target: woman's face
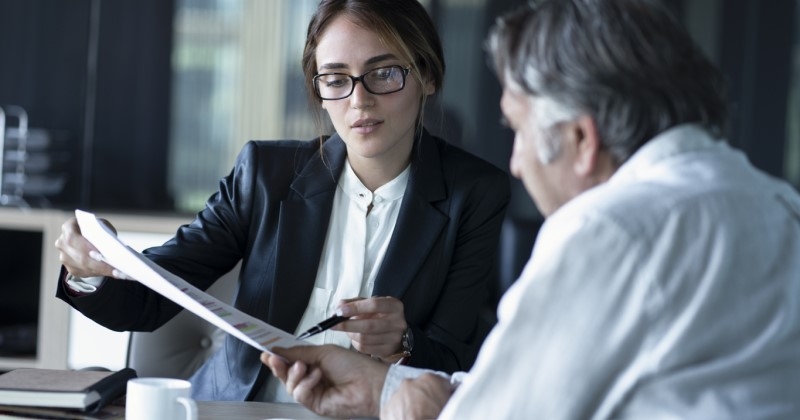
377	129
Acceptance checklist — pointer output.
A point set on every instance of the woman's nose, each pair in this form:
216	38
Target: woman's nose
361	98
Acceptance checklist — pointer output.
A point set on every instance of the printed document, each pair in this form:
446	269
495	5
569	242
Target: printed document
247	328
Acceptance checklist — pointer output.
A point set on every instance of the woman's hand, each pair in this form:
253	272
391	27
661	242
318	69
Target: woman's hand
79	256
376	325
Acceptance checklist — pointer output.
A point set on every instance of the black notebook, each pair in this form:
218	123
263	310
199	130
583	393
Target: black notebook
84	390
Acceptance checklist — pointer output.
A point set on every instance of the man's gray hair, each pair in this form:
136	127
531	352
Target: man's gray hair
626	63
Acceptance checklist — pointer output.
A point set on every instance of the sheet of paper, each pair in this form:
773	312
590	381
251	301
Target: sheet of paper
249	329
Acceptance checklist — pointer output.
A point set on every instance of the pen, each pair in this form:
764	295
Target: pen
322	326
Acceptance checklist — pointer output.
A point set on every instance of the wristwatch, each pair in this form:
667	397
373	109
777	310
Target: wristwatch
401	358
407	341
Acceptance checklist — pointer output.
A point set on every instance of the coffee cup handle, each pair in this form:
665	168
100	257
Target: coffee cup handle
190	406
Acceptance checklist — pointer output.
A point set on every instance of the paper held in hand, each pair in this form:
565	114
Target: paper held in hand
249	329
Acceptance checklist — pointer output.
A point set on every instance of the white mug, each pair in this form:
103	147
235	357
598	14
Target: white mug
159	398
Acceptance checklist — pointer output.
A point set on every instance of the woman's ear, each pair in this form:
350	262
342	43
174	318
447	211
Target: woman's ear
429	88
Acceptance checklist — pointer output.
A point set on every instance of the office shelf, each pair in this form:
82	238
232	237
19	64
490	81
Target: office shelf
64	338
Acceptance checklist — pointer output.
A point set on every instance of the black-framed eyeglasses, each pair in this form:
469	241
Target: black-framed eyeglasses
379	81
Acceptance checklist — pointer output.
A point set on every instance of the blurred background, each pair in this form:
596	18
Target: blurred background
140	106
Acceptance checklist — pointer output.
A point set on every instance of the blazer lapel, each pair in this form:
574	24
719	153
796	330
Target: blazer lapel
302	227
418	224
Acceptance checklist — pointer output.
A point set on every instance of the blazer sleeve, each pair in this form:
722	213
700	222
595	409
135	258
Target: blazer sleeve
200	253
450	337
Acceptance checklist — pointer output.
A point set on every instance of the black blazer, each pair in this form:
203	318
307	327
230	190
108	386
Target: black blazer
272	212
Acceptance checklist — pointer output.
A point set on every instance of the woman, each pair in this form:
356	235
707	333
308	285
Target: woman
380	221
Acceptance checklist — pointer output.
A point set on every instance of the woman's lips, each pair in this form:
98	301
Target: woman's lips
366	126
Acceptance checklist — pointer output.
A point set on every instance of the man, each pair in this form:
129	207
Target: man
665	282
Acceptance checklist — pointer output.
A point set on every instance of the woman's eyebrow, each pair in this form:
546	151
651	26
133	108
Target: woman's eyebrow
379	58
370	61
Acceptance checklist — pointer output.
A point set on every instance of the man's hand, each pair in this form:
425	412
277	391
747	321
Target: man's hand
376	325
330	380
420	398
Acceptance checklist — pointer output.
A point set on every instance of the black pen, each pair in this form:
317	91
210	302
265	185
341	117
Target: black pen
322	326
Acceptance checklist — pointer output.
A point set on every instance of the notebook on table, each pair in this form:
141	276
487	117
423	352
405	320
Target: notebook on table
82	390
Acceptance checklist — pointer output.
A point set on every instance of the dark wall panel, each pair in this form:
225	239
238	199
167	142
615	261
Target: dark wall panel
104	65
43	46
131	136
756	53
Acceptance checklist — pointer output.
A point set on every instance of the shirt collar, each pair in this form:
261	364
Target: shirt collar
672	142
355	189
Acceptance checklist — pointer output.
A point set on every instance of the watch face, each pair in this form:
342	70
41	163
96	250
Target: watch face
408	340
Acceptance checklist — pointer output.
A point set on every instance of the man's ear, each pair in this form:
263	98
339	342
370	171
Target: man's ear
588	146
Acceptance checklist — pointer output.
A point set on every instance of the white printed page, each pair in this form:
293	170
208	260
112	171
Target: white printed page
249	329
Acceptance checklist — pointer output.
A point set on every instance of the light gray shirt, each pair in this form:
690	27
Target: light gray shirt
670	292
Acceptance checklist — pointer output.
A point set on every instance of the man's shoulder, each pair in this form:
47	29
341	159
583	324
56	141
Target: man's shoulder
644	207
632	207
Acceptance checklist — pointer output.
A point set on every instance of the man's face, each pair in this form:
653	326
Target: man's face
548	184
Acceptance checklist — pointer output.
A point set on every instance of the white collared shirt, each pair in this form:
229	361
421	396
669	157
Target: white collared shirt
672	291
354	247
